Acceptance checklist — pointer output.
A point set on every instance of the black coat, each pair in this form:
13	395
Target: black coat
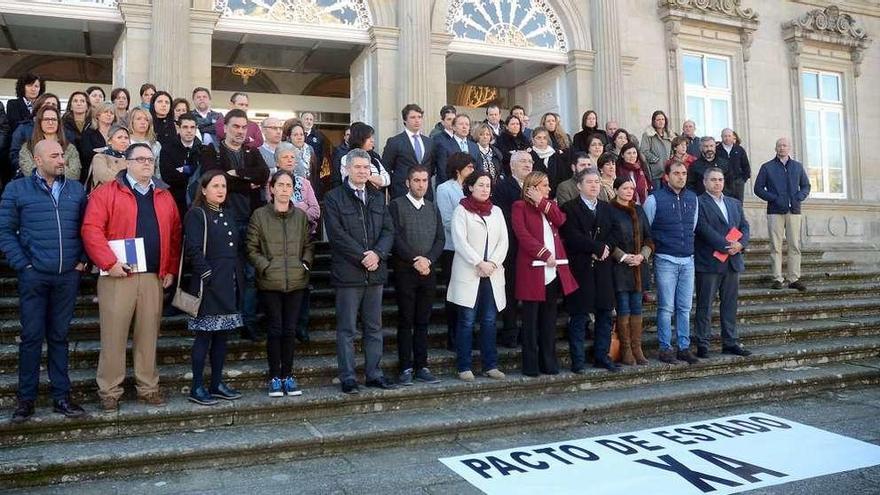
253	171
697	171
336	164
556	169
444	148
175	155
507	143
740	167
504	194
399	156
586	234
354	228
5	168
90	140
581	140
164	128
623	237
16	113
494	156
222	265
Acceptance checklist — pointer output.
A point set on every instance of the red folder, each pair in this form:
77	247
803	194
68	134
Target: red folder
733	235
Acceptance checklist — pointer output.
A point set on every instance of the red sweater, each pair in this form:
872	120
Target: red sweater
112	214
528	227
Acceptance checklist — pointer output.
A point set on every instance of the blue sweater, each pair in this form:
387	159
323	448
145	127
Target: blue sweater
36	230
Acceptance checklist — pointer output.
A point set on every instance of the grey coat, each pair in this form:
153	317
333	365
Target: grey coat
656	150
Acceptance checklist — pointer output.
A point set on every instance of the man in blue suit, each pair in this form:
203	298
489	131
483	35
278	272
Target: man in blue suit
718	214
445	146
408	149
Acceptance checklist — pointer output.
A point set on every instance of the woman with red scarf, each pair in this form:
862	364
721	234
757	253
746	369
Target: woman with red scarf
476	285
541	272
630	165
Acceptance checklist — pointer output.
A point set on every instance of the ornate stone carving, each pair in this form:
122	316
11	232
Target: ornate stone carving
476	96
729	8
514	23
830	20
354	13
828	25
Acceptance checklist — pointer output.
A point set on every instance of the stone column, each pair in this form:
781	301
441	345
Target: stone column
132	50
438	97
608	71
374	97
579	86
169	46
414	21
203	18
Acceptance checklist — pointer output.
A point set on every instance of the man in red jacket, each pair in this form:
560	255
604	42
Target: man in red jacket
134	205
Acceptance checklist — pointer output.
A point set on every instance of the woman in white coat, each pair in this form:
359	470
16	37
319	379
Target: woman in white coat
477	281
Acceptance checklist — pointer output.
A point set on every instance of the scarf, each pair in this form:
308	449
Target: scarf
546	153
298	189
630	209
637	173
482	208
115	154
488	163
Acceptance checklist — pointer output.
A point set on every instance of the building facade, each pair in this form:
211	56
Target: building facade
804	69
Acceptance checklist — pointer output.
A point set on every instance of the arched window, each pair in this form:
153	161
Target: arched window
514	23
354	13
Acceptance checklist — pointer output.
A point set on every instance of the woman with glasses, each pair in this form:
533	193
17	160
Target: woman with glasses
48	126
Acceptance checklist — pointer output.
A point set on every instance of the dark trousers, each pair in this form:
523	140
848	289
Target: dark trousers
577	330
302	322
726	285
282	311
451	309
249	303
510	333
415	296
215	343
368	302
539	333
47	303
602	336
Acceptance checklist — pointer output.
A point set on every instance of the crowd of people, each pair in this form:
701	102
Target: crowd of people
511	219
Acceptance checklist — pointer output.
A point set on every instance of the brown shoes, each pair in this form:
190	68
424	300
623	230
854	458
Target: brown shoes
109	404
623	332
635	334
154	399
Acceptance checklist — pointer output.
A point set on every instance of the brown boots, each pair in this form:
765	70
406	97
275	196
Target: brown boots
635	323
623	331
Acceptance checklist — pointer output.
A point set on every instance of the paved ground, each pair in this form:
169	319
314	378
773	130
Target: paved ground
415	470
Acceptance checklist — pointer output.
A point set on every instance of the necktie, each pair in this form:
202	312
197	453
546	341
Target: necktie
360	195
417	145
462	143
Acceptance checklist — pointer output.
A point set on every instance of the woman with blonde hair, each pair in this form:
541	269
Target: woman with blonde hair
558	137
140	127
490	156
94	139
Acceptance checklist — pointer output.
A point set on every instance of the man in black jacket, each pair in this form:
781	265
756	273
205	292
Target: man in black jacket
179	159
408	149
418	243
708	159
587	237
361	235
206	118
504	194
246	175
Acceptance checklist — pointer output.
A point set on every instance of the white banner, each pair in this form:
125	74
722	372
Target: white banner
718	456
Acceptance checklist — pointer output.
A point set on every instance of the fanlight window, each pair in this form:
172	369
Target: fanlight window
514	23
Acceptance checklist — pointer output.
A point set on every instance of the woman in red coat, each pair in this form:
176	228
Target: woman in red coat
541	268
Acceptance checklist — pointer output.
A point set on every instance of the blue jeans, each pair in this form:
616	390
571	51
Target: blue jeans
629	303
47	303
675	293
464	333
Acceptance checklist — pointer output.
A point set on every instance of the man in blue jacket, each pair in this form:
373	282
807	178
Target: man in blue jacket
718	214
784	185
40	217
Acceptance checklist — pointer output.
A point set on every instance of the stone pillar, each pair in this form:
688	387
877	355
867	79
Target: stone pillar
203	18
579	87
413	19
374	97
438	97
132	50
169	50
608	73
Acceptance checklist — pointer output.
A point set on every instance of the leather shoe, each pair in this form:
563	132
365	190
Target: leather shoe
68	409
608	365
798	285
737	350
350	387
702	352
687	357
381	382
225	392
154	399
109	404
23	411
667	357
777	285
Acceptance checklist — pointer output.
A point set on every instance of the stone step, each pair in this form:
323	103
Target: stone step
229	436
776	306
176	350
310	371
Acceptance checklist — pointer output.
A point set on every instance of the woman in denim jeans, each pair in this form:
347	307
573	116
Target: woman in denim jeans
476	285
631	236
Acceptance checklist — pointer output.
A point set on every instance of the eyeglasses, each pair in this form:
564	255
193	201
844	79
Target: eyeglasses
143	160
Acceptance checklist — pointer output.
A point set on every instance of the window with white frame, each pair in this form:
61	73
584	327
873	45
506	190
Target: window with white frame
823	133
708	94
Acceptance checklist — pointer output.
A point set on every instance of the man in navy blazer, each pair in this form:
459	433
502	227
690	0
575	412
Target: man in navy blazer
718	214
460	140
407	149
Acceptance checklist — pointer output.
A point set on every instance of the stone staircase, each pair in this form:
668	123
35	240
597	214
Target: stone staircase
826	338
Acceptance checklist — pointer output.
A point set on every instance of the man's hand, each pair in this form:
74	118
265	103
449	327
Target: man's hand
167	280
605	253
117	271
80	267
422	265
734	248
370	259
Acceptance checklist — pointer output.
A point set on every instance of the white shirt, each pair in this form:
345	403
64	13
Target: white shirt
719	201
727	148
418	203
549	273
